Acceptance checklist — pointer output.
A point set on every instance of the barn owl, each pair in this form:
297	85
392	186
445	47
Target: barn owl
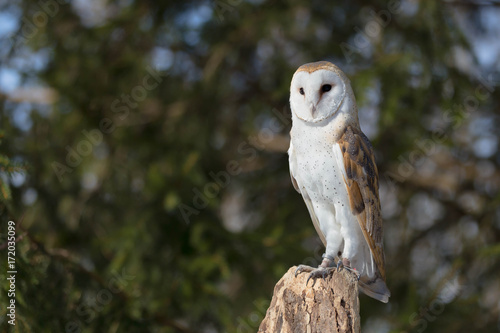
332	166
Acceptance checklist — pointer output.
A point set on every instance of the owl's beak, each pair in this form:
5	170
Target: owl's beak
313	110
313	102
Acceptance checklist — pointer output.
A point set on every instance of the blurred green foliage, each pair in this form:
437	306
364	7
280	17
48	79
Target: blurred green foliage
158	199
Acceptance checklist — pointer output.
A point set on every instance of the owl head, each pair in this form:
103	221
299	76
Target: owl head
320	90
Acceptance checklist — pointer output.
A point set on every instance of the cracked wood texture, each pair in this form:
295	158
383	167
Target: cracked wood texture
332	305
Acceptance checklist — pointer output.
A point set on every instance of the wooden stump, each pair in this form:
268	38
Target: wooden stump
332	305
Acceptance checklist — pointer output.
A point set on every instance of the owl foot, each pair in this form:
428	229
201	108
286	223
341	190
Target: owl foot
320	272
303	268
345	263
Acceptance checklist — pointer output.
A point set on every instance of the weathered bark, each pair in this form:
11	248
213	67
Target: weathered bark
332	305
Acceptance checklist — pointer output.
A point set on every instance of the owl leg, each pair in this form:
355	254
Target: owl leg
351	255
331	229
327	266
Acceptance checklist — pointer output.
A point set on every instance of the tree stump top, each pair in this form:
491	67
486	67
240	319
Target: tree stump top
332	305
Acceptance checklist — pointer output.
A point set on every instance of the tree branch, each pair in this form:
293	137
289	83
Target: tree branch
331	305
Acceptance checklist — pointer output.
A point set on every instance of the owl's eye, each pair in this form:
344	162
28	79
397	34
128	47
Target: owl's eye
301	90
326	87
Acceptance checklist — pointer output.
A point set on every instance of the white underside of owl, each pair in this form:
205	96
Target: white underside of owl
315	163
332	165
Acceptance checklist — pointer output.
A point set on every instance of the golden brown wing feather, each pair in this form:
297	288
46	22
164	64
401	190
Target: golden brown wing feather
362	187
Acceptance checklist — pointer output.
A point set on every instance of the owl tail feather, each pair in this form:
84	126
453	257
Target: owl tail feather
375	288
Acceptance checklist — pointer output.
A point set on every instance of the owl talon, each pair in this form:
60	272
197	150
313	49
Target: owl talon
314	281
303	268
341	265
320	272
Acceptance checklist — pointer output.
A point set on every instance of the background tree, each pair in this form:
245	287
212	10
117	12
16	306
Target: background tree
157	197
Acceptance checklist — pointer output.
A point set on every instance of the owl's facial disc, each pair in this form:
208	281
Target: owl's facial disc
313	99
316	96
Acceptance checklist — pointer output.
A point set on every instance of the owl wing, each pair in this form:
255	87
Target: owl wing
305	196
355	153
